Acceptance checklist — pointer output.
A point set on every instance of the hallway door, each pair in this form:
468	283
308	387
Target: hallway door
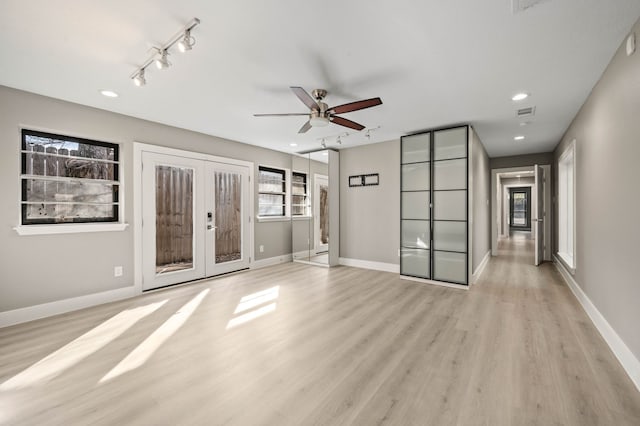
538	218
520	208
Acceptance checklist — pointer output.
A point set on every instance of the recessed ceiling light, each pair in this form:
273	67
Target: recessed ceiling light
518	176
518	138
293	144
109	93
520	97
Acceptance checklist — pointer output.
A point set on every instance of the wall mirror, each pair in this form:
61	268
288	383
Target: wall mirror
315	207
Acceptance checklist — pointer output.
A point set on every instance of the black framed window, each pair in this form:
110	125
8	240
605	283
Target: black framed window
299	194
271	192
66	179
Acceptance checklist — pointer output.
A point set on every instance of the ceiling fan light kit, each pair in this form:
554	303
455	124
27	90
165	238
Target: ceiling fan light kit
185	42
320	114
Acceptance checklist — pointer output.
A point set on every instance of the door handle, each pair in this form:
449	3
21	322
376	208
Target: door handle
211	227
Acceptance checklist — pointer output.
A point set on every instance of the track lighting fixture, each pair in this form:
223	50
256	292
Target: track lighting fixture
185	42
161	61
139	79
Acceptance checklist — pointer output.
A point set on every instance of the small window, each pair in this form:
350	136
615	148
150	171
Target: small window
299	195
271	192
566	206
68	180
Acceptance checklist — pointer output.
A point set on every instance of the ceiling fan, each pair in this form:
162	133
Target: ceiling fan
321	115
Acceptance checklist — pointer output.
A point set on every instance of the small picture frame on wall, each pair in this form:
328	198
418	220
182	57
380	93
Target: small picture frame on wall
371	179
355	180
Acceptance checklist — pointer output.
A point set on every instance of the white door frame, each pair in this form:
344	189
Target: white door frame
138	149
496	203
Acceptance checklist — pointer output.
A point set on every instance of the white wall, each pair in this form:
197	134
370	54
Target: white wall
47	268
607	152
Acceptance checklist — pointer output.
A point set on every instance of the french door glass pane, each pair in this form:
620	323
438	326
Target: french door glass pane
451	236
415	148
415	234
415	177
449	266
450	174
415	205
450	143
415	262
174	219
228	216
450	205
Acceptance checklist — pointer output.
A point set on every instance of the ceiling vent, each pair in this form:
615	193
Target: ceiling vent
518	6
526	112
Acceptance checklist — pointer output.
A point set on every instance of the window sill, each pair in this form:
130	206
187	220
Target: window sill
74	228
567	261
273	219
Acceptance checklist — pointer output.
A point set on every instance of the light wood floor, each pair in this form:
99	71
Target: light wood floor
302	345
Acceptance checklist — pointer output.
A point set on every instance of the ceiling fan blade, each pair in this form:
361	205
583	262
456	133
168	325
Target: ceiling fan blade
355	106
305	127
281	115
305	97
346	123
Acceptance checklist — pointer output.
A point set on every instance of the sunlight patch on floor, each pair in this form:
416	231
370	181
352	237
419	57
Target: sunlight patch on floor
80	348
250	316
256	299
150	345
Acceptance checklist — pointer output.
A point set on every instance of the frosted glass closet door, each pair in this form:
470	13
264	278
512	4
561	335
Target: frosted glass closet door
415	206
450	231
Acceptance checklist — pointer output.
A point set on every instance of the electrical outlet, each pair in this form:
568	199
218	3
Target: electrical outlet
261	249
117	271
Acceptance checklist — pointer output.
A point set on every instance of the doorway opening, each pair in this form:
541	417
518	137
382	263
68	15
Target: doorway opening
520	209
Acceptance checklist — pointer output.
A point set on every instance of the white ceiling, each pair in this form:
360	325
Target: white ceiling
432	63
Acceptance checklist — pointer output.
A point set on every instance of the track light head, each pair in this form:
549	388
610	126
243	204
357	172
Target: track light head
139	79
162	62
187	42
323	144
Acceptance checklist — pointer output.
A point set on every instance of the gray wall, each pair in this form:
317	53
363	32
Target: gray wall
481	190
607	133
370	215
40	269
521	160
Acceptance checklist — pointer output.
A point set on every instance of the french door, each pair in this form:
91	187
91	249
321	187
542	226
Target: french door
195	219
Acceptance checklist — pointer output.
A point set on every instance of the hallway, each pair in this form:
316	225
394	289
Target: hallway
294	344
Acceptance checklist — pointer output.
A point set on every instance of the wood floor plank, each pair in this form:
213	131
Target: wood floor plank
325	347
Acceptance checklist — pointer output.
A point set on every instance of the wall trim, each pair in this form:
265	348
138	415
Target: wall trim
270	261
629	362
49	309
480	269
368	264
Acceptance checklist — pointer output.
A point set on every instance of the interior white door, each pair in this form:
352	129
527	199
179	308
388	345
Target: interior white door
538	222
321	213
173	220
227	218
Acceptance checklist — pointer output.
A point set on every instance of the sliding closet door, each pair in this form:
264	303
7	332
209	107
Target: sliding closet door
450	209
415	211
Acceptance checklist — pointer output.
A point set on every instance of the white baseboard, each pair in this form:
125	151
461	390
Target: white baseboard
480	269
628	360
31	313
367	264
263	263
